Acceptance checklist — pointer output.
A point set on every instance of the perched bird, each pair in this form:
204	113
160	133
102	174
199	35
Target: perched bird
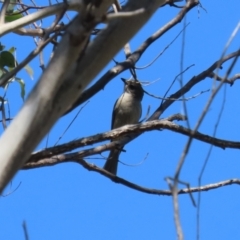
127	110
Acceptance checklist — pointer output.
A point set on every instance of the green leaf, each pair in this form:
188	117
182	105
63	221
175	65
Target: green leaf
7	59
13	16
22	86
12	50
29	71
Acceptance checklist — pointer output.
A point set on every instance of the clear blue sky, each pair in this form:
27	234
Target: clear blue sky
68	202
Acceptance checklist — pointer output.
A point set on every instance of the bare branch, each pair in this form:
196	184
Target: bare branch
5	78
132	59
116	179
222	79
192	82
38	107
48	11
24	225
58	89
125	131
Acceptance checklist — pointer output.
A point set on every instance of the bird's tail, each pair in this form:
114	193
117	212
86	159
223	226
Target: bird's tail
112	161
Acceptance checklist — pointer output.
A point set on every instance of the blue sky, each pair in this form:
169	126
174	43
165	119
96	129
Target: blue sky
68	202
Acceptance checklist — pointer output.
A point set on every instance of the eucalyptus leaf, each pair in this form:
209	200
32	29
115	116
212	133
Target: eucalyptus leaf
29	71
22	86
12	50
7	59
13	16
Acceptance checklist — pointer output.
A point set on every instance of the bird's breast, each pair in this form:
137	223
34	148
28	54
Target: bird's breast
128	110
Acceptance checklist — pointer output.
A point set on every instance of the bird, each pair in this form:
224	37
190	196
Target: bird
127	110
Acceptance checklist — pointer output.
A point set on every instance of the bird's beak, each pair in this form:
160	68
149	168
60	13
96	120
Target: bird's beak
124	80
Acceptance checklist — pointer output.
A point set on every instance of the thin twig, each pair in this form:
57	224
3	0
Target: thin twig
69	125
24	225
173	99
161	53
4	79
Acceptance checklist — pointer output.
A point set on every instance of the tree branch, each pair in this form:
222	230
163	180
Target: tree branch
45	12
191	83
127	130
132	58
58	88
116	179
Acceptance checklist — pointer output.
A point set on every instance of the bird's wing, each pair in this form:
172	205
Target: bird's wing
114	114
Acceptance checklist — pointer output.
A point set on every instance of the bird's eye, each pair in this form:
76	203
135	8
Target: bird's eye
132	87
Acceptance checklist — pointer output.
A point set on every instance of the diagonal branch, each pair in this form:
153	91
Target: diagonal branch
54	152
132	58
27	129
192	82
139	188
45	12
57	88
